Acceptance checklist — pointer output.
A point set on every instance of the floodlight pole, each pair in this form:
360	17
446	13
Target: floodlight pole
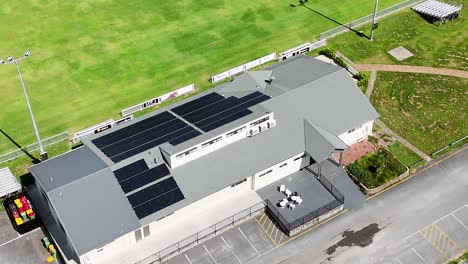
42	152
373	20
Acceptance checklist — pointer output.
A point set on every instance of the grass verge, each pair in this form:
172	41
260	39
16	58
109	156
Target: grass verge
437	46
430	111
404	154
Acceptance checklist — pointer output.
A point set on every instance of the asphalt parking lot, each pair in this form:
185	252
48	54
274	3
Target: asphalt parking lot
24	249
439	241
240	244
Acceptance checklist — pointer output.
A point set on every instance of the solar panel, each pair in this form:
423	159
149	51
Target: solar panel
150	144
158	204
226	120
197	103
141	138
130	170
152	192
184	137
143	178
123	133
212	109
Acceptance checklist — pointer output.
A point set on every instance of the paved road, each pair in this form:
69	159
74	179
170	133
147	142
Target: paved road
385	229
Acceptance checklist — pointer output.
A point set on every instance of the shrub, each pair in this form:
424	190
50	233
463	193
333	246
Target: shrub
363	80
376	169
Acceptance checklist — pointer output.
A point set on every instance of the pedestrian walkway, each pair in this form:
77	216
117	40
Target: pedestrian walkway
411	68
402	140
370	87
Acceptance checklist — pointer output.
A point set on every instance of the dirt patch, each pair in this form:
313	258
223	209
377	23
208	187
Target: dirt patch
361	238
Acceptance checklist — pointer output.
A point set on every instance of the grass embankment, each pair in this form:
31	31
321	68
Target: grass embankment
441	46
377	168
430	111
93	58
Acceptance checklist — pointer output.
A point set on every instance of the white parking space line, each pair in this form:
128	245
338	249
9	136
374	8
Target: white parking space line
187	258
399	260
456	218
415	252
451	213
248	241
231	249
210	254
12	239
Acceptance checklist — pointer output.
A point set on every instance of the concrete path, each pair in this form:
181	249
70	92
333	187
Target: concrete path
410	68
370	87
402	140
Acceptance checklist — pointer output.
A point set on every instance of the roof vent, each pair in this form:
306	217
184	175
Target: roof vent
51	179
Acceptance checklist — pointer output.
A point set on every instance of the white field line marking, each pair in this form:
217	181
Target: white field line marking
225	242
188	258
248	241
456	218
210	254
451	213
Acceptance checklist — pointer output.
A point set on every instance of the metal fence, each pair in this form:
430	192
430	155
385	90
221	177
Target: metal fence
288	226
448	146
348	26
204	235
33	147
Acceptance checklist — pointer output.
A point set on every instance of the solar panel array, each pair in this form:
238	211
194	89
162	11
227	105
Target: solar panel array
213	110
138	174
154	197
144	135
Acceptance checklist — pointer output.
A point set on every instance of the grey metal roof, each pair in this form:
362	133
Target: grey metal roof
319	143
250	81
93	211
67	168
8	182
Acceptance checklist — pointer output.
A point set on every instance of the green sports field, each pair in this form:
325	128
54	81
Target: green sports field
93	58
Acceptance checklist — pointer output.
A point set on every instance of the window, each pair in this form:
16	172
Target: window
259	121
265	173
146	231
138	236
237	183
232	133
186	153
282	165
351	131
303	156
206	144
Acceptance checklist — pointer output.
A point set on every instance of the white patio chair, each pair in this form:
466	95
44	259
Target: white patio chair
288	192
282	188
299	200
292	206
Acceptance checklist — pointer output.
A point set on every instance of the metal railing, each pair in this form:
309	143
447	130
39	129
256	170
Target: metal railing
33	147
203	235
348	26
288	226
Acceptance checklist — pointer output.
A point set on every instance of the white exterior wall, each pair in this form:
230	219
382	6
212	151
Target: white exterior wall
357	135
278	173
104	253
225	140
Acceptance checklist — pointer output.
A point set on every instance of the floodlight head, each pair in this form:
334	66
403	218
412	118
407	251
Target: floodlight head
27	53
9	58
2	62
